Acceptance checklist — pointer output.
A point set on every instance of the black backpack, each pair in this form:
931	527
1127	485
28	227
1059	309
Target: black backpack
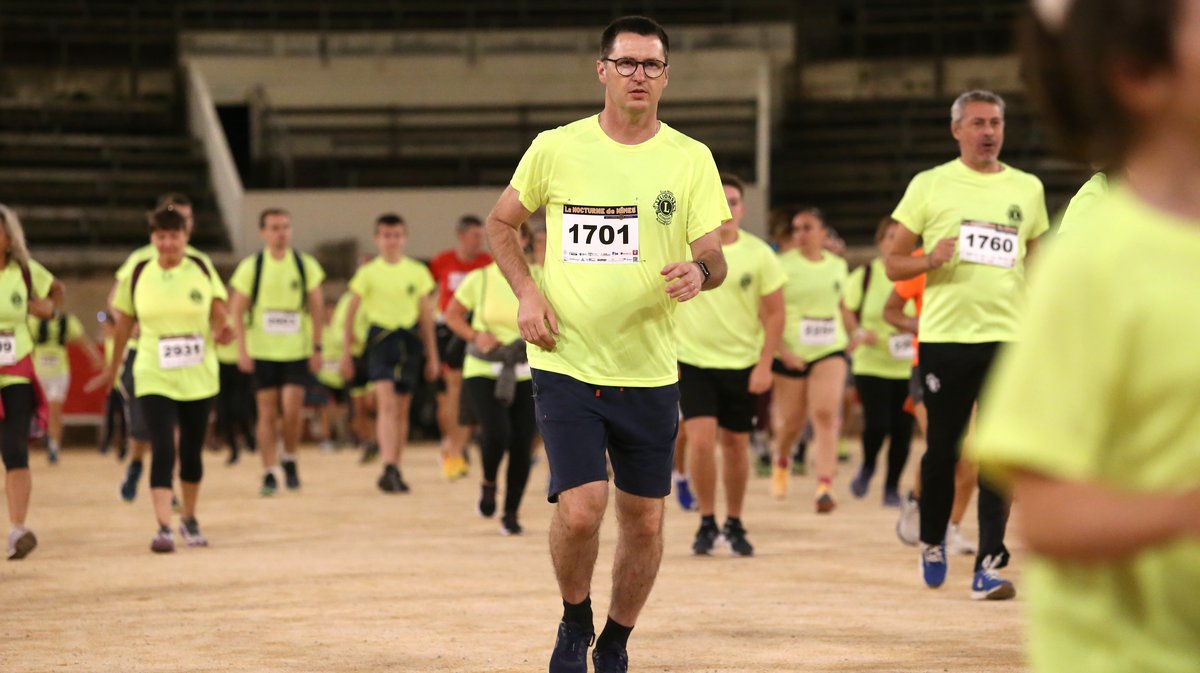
258	265
137	273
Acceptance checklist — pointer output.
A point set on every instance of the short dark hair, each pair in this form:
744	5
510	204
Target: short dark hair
638	25
1070	59
172	199
815	212
731	180
390	220
167	218
466	222
271	212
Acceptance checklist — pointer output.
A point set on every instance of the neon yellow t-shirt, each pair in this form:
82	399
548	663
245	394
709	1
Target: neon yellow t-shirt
891	356
279	328
392	293
148	253
175	357
1079	210
615	216
50	356
813	326
972	302
489	297
1100	387
14	313
720	329
332	344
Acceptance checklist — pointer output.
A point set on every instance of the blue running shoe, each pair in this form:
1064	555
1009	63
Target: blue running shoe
933	564
861	482
610	661
891	498
570	648
988	585
684	493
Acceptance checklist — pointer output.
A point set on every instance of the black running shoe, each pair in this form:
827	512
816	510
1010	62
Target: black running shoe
370	453
129	486
487	501
269	485
291	475
391	481
610	661
706	538
509	525
735	535
570	648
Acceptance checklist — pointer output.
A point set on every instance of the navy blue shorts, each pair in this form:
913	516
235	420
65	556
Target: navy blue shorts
579	421
270	374
394	355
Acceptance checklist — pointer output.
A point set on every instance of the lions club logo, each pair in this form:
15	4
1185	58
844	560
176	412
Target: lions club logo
664	207
412	289
295	284
16	299
195	296
1015	216
745	281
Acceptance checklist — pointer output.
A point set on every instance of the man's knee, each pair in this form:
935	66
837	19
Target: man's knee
581	510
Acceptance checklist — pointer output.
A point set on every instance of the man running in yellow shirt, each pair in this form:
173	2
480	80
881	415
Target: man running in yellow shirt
979	219
276	303
626	198
394	291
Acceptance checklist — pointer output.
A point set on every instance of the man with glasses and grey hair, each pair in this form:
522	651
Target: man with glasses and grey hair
979	219
632	212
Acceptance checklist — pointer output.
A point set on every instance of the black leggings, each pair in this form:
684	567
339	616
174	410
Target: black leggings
236	411
953	375
114	419
14	429
884	416
504	429
163	416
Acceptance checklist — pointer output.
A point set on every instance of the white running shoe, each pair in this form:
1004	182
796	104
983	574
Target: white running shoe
956	544
908	526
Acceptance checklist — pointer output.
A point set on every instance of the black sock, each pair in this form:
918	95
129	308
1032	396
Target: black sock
578	613
614	637
709	520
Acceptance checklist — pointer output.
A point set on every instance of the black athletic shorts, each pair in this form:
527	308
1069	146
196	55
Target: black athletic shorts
134	416
720	393
778	367
579	421
915	388
270	374
395	355
451	349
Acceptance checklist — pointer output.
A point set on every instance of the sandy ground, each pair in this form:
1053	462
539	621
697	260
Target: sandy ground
340	577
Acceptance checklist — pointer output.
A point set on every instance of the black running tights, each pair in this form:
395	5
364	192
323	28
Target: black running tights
163	416
884	418
504	429
14	429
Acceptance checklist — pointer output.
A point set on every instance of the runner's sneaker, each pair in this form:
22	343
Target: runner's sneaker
908	526
487	501
21	541
861	482
988	585
610	661
163	542
570	648
509	525
891	498
933	564
132	475
190	530
391	482
825	501
291	475
735	535
370	453
779	482
683	493
956	544
52	454
706	539
269	485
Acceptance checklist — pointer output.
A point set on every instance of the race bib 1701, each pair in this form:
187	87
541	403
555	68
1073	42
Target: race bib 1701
281	322
8	348
818	332
177	352
988	243
900	347
600	234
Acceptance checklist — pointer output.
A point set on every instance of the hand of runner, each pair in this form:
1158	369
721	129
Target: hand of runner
760	378
315	362
346	367
869	337
791	360
245	364
536	320
103	380
486	341
225	335
688	279
942	252
41	308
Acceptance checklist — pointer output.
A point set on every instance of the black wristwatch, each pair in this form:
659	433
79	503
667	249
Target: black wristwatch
703	270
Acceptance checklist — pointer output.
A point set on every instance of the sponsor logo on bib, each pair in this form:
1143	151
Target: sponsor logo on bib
664	207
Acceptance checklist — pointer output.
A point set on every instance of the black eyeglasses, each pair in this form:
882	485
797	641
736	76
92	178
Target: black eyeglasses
653	68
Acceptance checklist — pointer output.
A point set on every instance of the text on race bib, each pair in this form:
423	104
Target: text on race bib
522	369
900	347
600	234
177	352
8	348
818	331
988	243
281	322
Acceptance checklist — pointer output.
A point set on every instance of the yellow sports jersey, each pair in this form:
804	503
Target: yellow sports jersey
175	356
148	253
50	353
720	329
392	293
615	216
977	296
15	339
1100	387
891	356
332	344
1079	210
278	326
493	308
813	326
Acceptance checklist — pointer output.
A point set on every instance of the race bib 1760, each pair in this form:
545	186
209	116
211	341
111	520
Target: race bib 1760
988	243
177	352
8	348
600	234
